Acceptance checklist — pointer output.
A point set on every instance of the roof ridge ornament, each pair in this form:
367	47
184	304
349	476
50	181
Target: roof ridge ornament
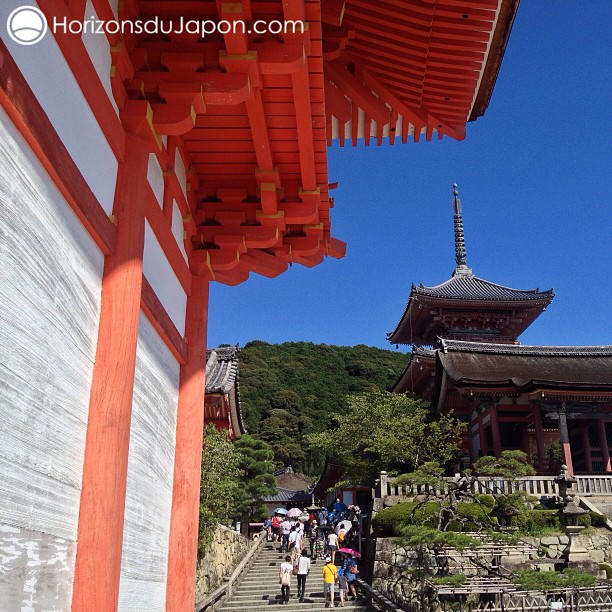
460	252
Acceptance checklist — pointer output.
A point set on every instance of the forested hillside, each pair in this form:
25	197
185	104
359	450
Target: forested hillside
289	390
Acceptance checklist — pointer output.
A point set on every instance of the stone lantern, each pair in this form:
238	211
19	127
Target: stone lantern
576	554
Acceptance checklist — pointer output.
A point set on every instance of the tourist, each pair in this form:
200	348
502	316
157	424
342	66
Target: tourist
351	571
329	579
284	577
268	529
332	545
342	585
312	537
292	539
285	530
303	569
276	527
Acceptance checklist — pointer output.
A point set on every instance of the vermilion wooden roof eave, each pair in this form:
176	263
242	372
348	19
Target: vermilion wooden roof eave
497	50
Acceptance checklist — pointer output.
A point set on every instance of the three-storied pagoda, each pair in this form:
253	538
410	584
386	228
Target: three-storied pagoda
466	358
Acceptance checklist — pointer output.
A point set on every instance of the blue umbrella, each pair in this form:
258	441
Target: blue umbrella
280	511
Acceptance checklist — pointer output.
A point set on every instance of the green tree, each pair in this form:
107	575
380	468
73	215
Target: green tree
256	467
388	431
309	381
510	464
221	490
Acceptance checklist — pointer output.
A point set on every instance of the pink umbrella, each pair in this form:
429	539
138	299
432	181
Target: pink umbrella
350	551
294	513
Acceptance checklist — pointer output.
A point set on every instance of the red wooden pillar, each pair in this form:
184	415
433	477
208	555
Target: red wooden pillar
537	417
565	443
495	432
586	446
603	445
184	520
100	530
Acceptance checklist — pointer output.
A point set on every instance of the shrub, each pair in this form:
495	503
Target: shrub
452	580
584	520
598	520
390	521
533	580
534	522
488	501
475	518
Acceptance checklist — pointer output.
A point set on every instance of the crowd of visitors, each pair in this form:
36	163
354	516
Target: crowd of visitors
332	534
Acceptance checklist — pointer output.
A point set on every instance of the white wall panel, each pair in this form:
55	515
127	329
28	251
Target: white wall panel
98	48
155	176
50	285
62	99
161	277
177	228
179	170
144	560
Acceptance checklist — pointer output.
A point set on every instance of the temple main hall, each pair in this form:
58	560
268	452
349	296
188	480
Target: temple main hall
552	402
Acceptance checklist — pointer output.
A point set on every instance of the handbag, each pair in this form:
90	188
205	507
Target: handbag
295	570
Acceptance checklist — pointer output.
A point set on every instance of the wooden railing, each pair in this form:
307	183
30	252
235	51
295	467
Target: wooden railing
594	485
537	486
225	590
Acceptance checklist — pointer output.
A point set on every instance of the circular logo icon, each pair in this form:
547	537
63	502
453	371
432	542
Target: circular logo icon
26	25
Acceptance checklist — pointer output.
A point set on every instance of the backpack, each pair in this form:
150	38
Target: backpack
275	522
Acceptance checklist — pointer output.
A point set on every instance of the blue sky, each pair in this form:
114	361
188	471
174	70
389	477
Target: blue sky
535	181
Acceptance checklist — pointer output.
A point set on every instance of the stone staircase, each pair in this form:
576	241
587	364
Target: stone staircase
258	588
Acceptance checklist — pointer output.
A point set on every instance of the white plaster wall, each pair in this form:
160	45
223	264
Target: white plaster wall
55	87
162	279
155	176
179	170
144	560
177	228
98	48
50	286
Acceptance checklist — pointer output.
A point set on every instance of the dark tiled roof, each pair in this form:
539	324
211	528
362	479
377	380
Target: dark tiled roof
478	293
520	349
470	287
221	369
286	496
527	367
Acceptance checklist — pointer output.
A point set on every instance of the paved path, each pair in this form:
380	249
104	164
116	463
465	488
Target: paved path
259	588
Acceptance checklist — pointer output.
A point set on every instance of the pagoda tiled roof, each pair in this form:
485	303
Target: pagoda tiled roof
221	369
222	377
470	292
471	287
527	367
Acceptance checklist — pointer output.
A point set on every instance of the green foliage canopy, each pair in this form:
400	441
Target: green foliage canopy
256	469
290	390
222	496
386	431
510	464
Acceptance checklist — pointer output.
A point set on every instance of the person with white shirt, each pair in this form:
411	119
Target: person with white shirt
332	545
284	577
303	569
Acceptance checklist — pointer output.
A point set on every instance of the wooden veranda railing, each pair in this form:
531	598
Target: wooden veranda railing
538	486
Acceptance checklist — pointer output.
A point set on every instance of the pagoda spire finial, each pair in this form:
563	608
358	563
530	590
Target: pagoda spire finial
460	252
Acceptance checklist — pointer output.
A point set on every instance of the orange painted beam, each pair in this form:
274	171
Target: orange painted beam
303	113
100	528
26	113
357	92
184	519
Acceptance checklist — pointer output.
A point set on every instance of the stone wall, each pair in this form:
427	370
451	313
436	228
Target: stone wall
393	565
224	553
